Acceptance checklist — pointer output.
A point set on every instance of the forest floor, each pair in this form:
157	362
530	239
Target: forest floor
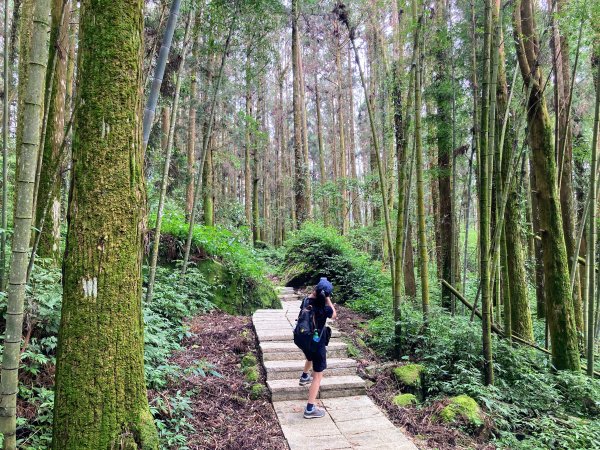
419	422
224	412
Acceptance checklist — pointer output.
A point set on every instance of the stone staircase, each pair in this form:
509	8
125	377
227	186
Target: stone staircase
352	419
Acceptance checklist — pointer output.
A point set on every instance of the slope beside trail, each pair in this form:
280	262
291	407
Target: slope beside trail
352	421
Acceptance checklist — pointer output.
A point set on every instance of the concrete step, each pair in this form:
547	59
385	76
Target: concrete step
282	351
331	387
281	370
284	333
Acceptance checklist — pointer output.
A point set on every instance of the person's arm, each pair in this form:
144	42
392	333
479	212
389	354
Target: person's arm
329	303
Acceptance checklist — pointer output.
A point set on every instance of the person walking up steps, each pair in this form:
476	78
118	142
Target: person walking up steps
311	336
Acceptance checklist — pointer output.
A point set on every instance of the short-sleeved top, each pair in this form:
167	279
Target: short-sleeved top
321	313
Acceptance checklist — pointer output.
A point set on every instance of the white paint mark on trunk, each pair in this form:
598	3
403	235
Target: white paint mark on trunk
90	287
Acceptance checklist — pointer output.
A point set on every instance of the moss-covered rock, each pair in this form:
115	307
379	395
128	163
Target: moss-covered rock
463	407
256	391
234	293
409	374
249	360
404	400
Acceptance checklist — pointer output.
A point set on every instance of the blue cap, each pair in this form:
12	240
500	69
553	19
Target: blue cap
325	286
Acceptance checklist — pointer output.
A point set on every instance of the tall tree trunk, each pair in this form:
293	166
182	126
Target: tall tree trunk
355	197
301	174
100	344
564	150
103	257
516	306
208	185
322	173
559	299
248	144
5	132
32	104
191	148
443	96
341	124
540	290
591	260
410	283
485	200
423	258
49	243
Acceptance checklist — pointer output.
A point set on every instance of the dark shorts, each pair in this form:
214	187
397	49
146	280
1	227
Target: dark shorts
318	358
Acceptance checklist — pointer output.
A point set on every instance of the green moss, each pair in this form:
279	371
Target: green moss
409	374
256	391
251	374
462	406
148	436
230	265
404	400
249	360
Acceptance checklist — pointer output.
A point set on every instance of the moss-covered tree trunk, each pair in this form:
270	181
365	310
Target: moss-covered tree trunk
564	149
517	312
49	187
559	300
100	399
485	160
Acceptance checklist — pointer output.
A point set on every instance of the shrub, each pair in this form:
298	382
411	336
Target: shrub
316	251
248	360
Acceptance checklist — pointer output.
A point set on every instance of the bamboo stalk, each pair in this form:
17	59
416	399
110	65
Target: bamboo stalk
167	164
5	120
159	71
23	215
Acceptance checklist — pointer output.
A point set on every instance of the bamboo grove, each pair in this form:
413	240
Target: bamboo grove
455	140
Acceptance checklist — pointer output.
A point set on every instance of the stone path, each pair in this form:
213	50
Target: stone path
352	421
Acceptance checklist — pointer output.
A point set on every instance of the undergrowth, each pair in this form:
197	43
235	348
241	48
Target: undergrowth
244	284
529	407
176	297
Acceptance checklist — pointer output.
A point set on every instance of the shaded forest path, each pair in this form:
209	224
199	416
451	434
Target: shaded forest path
352	421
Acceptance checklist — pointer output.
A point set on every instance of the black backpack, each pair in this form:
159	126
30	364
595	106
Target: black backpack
305	329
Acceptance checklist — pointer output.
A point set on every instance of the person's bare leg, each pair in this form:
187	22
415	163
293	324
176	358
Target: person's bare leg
307	366
314	387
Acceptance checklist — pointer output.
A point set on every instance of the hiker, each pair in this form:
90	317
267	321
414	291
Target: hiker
320	301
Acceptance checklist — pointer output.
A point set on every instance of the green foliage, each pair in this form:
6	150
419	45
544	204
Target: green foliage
462	406
251	374
176	297
238	278
528	398
317	251
248	360
409	374
404	400
256	391
171	416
